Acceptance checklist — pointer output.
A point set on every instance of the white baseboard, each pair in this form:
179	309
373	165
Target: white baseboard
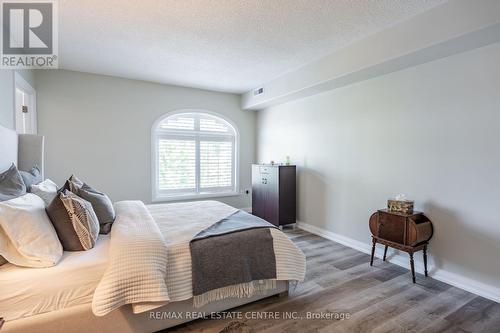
459	281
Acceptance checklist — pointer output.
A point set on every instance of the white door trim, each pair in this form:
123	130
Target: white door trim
22	84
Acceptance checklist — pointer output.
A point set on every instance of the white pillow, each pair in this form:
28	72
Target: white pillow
47	190
27	237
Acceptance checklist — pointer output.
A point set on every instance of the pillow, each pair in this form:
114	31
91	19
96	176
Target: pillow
102	205
66	186
31	177
75	221
47	190
11	184
75	182
27	238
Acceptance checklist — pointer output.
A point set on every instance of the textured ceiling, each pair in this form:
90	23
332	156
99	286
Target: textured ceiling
224	45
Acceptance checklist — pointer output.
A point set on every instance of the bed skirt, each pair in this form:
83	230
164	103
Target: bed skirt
79	319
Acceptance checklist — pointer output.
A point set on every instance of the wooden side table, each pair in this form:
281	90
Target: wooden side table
405	232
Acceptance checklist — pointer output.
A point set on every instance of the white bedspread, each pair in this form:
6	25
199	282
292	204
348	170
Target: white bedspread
178	223
137	262
135	236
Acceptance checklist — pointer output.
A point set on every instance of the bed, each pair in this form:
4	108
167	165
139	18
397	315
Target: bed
84	293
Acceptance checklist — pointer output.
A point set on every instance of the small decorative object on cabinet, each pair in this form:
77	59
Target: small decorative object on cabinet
405	232
273	193
400	205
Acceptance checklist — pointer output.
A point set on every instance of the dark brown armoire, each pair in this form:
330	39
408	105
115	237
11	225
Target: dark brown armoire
274	192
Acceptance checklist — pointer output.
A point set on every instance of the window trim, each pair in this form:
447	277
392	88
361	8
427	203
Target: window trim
156	196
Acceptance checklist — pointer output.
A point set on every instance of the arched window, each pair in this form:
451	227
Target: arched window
194	155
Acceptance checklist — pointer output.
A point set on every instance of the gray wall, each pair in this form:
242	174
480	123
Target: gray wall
99	128
7	98
7	94
431	132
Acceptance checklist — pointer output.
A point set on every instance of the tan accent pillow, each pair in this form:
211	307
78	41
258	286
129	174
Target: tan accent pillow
75	221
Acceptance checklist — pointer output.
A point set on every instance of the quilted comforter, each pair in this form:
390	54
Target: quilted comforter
150	260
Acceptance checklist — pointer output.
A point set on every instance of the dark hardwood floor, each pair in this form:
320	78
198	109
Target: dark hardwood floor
381	298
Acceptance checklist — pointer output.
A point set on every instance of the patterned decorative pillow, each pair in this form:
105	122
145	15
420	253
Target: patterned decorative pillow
11	184
31	177
102	205
75	221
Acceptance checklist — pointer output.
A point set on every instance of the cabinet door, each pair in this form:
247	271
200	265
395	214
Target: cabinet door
287	195
270	182
258	193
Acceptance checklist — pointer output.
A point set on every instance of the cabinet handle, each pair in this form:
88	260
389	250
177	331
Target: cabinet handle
264	181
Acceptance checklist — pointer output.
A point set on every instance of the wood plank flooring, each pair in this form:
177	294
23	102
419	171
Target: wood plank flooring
378	299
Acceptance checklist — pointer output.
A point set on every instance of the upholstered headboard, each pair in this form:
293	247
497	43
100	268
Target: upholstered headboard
25	150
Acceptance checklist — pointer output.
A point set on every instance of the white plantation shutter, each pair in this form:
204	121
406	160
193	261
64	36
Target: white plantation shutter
179	122
214	125
195	155
216	164
177	164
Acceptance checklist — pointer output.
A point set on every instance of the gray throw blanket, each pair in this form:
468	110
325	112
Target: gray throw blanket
235	250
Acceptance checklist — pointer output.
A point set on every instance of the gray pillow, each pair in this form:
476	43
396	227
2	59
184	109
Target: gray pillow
32	177
11	184
77	182
75	221
102	205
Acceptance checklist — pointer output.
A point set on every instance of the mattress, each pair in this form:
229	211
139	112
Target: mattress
26	292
